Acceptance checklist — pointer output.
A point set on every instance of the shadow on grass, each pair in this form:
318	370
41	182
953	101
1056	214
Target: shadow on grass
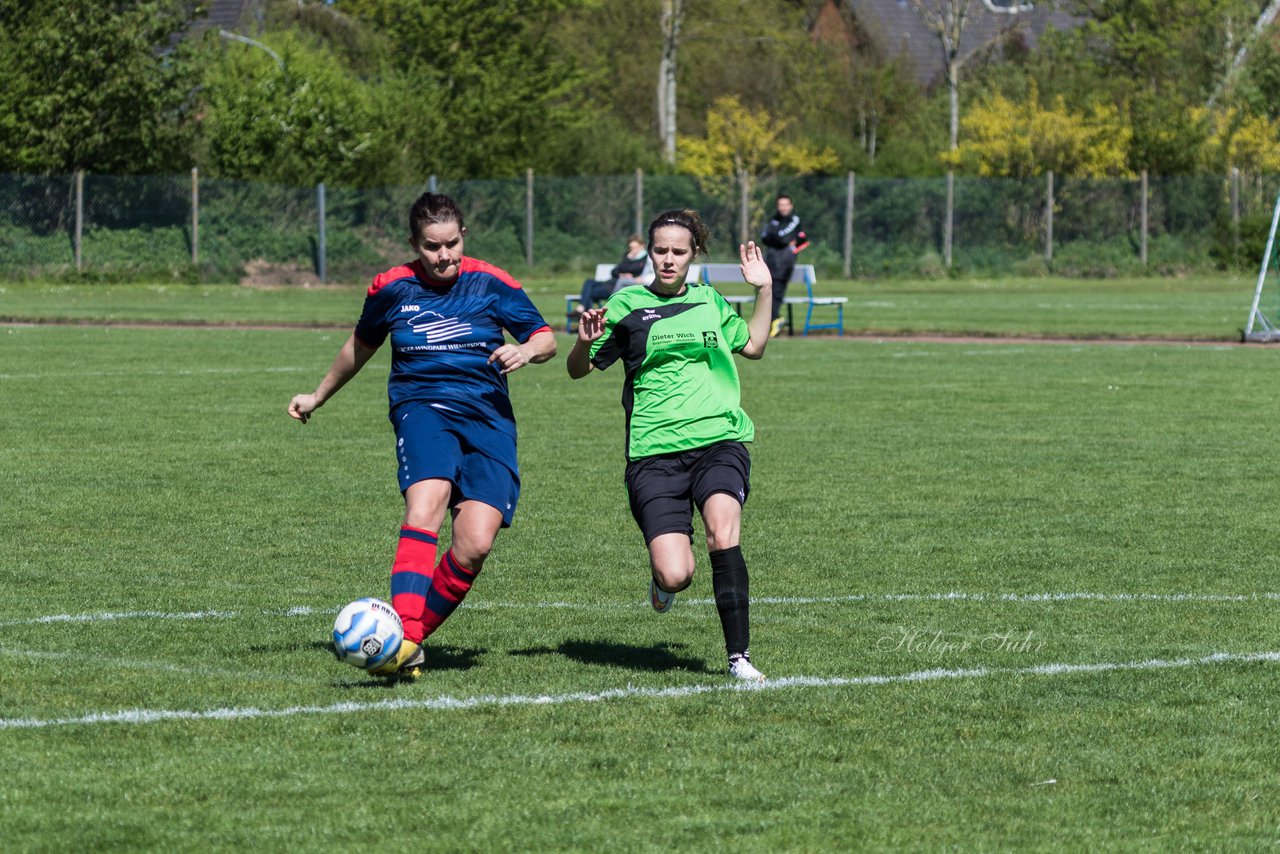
438	658
654	658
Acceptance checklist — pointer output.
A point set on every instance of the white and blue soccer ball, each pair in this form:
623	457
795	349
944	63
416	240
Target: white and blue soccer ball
367	633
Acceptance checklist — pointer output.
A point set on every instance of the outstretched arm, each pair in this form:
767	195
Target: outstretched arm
350	359
757	274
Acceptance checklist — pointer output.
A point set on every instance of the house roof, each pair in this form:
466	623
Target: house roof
896	28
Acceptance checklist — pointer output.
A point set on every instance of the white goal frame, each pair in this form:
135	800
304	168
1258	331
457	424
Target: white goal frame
1260	327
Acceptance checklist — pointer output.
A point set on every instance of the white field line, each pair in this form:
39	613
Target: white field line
953	596
237	675
445	703
109	616
156	372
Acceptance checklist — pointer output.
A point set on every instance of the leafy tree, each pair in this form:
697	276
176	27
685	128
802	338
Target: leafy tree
1153	59
305	122
488	75
92	85
1260	87
743	146
744	141
946	20
642	52
1021	139
1241	140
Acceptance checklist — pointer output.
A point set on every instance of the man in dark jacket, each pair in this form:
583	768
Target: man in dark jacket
782	239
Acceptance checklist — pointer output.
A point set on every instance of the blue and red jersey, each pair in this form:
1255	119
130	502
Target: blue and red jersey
442	336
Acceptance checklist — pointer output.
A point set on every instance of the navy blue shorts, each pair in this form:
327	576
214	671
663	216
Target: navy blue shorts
433	441
663	490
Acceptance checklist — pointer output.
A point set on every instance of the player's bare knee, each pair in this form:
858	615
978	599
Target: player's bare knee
471	555
673	572
673	579
722	539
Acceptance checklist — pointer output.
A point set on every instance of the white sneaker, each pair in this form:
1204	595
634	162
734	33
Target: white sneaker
740	667
660	599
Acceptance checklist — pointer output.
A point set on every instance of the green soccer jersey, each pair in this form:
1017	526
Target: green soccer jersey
682	390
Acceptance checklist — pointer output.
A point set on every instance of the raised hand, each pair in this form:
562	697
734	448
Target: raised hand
754	270
591	325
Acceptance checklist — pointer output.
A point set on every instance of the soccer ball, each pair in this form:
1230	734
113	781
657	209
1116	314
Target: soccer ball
367	633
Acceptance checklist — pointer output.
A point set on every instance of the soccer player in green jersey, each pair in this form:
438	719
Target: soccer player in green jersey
685	428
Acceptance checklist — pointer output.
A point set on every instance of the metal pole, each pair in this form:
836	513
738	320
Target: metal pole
1144	217
79	215
744	188
1048	217
1235	211
195	216
848	225
320	248
1254	313
236	37
528	217
431	184
950	219
639	201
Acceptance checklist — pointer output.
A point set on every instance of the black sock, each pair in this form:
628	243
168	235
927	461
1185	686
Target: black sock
729	581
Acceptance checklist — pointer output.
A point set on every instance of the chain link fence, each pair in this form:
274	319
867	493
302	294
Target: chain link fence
190	228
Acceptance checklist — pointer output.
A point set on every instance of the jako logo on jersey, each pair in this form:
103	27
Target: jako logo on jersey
405	308
709	339
437	327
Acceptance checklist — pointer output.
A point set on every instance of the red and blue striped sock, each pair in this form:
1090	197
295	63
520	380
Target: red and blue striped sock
411	578
449	585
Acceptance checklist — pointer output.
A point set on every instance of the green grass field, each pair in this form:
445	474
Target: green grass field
1009	596
1195	307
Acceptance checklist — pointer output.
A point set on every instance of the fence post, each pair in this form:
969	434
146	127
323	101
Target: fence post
195	216
320	247
744	197
1235	211
639	201
528	217
1143	208
1048	217
79	215
431	184
949	224
848	225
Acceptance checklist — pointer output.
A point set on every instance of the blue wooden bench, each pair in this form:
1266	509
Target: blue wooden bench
713	274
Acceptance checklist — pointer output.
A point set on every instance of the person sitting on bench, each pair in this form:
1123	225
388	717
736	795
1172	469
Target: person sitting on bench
628	270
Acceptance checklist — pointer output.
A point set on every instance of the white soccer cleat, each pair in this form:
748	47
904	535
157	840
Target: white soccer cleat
740	667
660	599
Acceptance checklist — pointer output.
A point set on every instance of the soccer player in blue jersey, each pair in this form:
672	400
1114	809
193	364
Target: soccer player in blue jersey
445	315
686	430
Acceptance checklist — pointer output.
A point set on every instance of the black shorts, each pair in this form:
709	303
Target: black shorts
663	490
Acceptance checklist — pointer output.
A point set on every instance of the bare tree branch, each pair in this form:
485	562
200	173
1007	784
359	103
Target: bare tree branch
1265	20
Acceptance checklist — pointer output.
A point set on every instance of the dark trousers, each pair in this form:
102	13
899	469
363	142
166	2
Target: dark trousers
781	263
594	292
779	293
